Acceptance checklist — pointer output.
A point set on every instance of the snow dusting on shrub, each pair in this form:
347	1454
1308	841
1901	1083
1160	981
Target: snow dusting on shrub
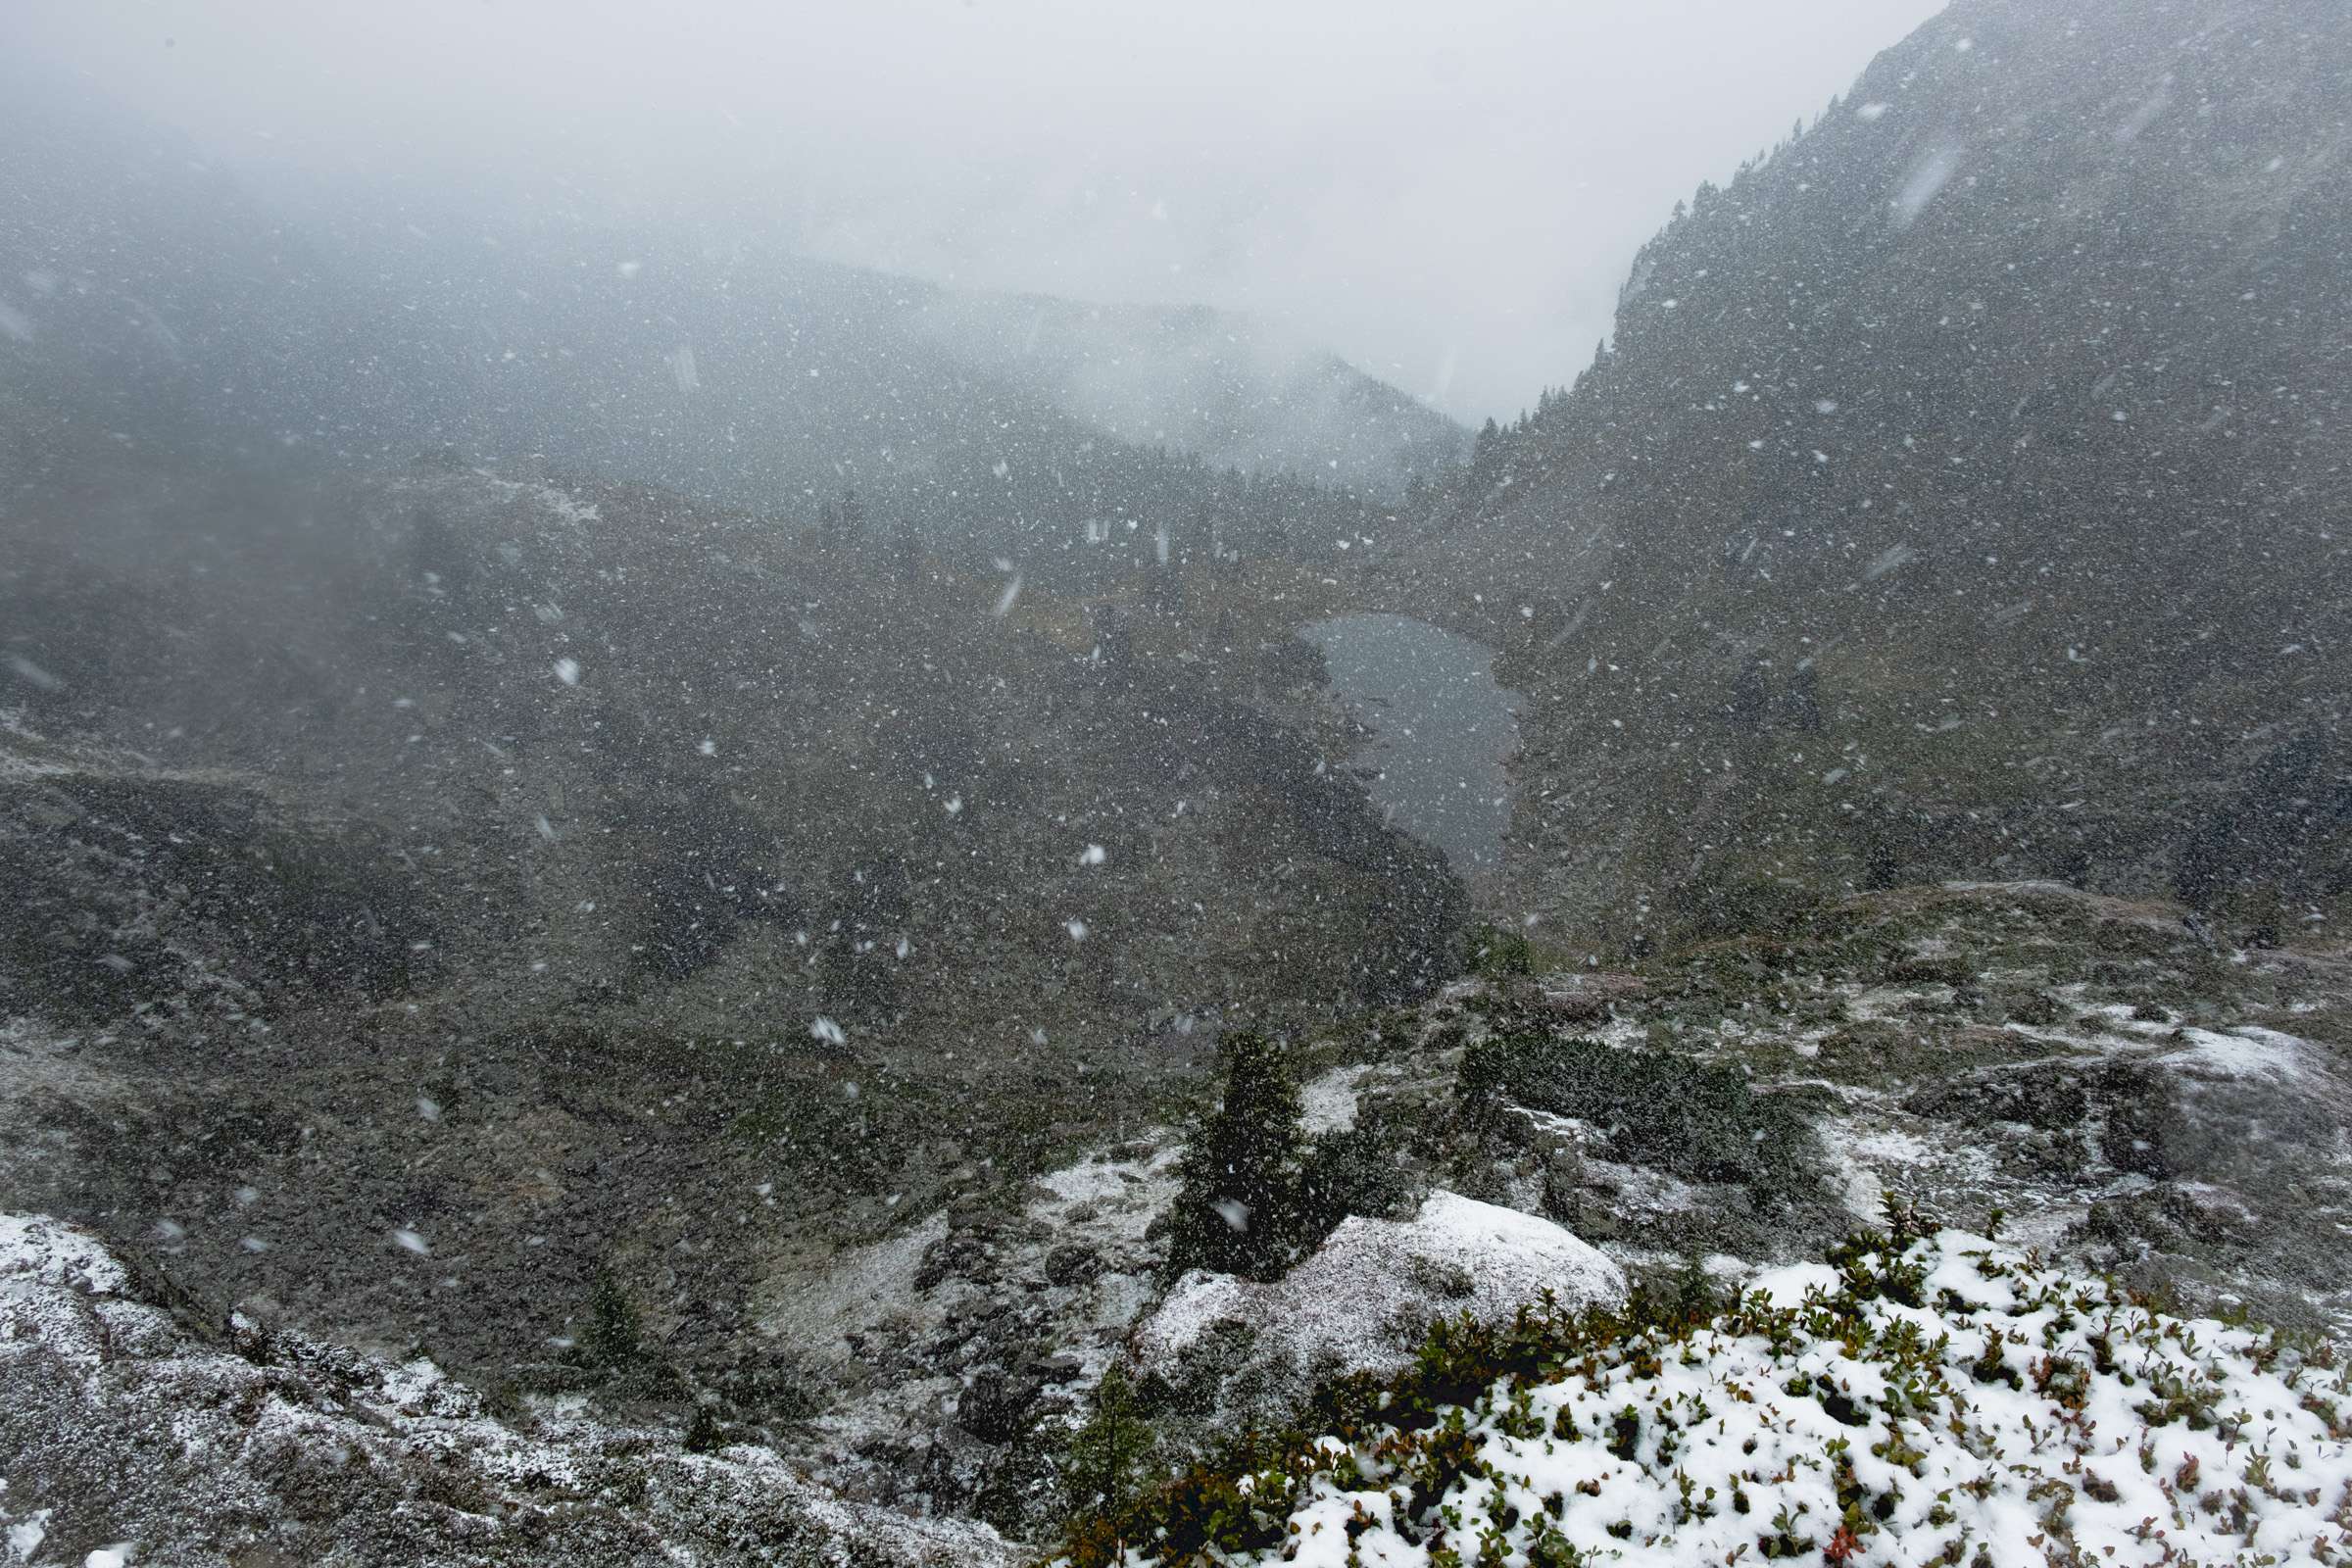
1924	1399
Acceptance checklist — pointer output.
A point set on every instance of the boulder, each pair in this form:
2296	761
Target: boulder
1368	1291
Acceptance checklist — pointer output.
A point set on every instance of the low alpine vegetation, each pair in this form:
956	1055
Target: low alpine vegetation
1924	1396
1699	1120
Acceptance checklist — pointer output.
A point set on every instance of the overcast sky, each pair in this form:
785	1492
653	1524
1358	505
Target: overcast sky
1446	192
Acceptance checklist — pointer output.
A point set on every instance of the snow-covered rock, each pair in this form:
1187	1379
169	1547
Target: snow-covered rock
126	1439
1364	1296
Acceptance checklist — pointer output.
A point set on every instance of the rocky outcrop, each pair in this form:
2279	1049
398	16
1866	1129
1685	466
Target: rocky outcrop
223	1443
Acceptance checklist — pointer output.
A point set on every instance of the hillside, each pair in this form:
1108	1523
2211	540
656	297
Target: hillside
986	425
715	904
641	1280
557	921
1961	495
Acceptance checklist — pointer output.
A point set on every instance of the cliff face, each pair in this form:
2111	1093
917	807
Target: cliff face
1963	493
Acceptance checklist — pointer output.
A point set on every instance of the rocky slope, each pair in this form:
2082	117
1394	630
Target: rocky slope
136	1434
1961	495
2130	1100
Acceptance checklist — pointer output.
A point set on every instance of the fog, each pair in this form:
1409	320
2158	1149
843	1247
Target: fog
1446	194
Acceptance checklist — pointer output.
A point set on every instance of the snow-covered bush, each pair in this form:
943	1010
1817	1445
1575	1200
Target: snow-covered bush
1921	1398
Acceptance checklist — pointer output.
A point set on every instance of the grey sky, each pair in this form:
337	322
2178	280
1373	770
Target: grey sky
1447	193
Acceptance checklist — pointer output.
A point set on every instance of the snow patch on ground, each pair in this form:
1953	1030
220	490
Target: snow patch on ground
1787	1287
962	1304
16	765
567	507
37	1250
2247	1053
33	758
558	504
1147	1182
864	1289
1327	1103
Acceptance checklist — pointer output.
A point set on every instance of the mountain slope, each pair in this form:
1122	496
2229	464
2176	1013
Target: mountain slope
987	425
720	903
1962	495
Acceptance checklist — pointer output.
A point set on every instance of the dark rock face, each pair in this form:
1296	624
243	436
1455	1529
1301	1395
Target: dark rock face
1071	1264
995	1408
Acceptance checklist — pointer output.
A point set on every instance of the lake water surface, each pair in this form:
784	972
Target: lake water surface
1443	729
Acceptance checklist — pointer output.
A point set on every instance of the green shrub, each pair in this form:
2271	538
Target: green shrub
1354	1172
1494	952
1258	1192
1105	1456
1694	1120
612	1339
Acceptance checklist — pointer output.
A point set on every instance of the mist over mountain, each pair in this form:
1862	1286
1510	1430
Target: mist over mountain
1205	383
151	291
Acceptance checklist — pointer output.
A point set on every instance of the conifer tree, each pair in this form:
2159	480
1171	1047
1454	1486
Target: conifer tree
1106	1453
1237	1214
612	1340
